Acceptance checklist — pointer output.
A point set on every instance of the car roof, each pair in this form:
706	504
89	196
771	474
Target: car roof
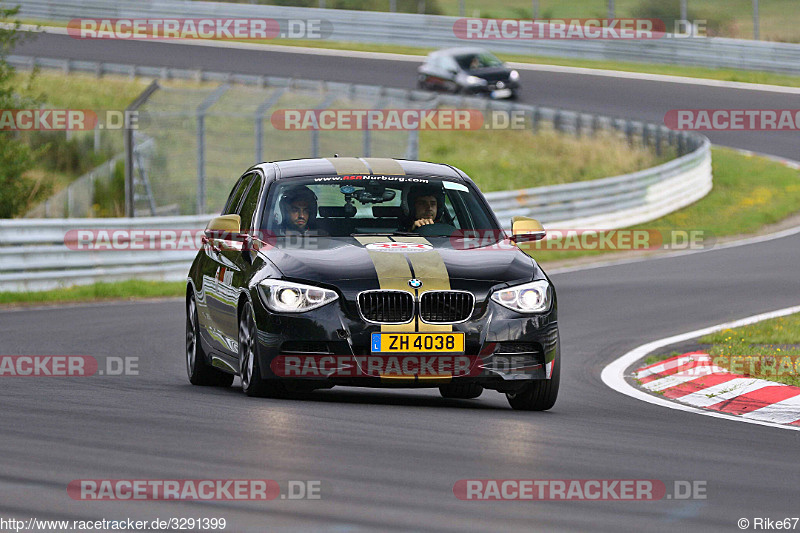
460	50
328	166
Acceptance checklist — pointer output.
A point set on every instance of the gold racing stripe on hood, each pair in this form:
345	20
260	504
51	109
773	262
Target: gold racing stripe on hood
348	165
393	274
430	269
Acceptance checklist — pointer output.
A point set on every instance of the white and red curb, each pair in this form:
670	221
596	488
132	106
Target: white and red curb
694	379
616	376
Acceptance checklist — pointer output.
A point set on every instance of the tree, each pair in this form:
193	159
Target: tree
15	156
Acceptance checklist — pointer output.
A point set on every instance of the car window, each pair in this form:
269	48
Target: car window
347	205
250	202
449	64
235	197
478	61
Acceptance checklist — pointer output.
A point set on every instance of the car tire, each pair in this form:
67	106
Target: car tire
197	367
461	391
252	382
540	394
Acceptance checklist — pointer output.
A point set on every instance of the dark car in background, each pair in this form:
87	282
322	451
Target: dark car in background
472	71
318	268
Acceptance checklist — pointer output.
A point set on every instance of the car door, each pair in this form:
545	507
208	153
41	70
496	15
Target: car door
235	264
218	268
450	71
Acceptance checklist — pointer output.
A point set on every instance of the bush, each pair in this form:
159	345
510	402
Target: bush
109	196
16	158
75	156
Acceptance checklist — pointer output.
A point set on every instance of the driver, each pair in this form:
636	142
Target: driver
425	206
298	207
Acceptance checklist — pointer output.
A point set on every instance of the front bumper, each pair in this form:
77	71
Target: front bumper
506	349
500	89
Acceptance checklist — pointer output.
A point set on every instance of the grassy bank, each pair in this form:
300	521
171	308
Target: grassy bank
767	350
97	292
749	193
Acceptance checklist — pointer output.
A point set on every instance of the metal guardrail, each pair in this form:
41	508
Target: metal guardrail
35	256
437	31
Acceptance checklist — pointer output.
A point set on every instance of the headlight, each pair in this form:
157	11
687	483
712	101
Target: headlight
474	80
287	297
534	297
513	75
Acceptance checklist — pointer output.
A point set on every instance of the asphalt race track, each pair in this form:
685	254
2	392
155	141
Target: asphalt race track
388	460
639	99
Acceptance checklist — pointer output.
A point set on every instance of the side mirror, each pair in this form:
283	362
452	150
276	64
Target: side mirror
224	230
229	223
524	229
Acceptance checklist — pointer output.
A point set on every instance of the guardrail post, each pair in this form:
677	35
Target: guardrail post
129	147
315	132
659	139
201	144
259	120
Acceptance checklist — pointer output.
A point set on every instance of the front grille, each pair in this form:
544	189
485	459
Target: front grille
386	307
446	306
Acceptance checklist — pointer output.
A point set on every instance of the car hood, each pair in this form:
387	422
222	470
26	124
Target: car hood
379	262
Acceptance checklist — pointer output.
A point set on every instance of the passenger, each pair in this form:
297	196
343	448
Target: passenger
298	207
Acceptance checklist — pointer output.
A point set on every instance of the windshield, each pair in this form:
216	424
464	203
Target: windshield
478	61
340	206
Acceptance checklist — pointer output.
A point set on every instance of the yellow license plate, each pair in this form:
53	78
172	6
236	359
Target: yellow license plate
417	342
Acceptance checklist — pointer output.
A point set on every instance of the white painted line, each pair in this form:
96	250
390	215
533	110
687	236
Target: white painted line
664	78
782	412
386	56
724	391
613	374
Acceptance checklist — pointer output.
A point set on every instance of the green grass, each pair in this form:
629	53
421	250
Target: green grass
743	76
652	359
501	160
784	330
749	193
97	292
769	349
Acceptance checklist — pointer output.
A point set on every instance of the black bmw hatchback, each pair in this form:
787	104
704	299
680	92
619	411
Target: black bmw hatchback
474	71
370	272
